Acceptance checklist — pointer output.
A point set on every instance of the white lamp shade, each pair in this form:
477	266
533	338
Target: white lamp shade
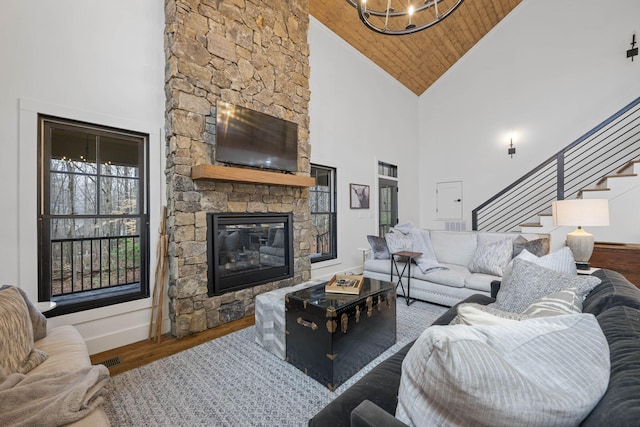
581	212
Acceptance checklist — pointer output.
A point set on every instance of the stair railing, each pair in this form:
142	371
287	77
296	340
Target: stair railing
599	152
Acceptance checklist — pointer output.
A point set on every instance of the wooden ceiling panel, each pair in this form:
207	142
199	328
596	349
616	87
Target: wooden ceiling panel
416	60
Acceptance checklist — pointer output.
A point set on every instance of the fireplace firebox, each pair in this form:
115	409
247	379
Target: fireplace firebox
246	250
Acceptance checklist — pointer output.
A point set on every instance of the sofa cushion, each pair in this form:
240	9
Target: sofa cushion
381	266
378	247
614	291
480	281
454	247
17	352
65	347
491	258
535	369
620	405
526	282
538	247
454	275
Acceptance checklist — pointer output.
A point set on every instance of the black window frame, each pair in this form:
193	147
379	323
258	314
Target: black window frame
333	252
112	294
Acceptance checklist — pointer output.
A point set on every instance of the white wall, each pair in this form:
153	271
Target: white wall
101	62
549	72
359	115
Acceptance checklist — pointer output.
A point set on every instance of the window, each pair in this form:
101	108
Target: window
322	201
387	197
92	215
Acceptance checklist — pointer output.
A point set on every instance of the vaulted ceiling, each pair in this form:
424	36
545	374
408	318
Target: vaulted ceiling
416	60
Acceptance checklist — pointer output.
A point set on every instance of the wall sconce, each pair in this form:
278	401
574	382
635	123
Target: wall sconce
511	150
634	50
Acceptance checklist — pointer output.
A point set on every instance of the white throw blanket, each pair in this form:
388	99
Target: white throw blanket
51	399
421	242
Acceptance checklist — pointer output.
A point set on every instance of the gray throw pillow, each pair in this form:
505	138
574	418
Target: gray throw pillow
522	373
538	247
492	258
526	282
379	247
398	242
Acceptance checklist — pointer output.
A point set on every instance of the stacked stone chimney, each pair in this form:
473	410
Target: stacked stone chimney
252	53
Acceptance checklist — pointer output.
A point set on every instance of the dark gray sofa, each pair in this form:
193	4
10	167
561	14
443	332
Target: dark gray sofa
615	302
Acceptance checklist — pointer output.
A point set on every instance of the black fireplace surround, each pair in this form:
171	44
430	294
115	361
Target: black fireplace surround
246	250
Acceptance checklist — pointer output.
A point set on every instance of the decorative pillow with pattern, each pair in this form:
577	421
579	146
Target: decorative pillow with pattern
526	282
38	321
492	258
398	242
522	373
17	353
378	247
558	303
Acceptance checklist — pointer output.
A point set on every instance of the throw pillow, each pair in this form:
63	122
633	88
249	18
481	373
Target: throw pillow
420	242
378	247
563	302
38	321
492	257
398	242
17	353
558	303
538	247
526	282
561	260
523	373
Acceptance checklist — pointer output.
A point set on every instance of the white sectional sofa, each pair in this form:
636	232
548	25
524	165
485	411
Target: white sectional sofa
456	251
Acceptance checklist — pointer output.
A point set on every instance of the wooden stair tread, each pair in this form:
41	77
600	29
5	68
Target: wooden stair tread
628	165
532	224
619	175
584	190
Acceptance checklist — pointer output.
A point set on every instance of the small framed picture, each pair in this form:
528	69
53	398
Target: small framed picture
359	196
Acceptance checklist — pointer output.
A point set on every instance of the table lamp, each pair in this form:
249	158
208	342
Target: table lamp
580	213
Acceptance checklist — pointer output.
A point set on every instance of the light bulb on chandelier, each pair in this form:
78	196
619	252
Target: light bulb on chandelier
393	20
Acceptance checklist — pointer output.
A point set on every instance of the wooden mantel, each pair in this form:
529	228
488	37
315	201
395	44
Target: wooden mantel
252	176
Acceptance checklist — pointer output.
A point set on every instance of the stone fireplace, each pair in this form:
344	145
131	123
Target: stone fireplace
252	53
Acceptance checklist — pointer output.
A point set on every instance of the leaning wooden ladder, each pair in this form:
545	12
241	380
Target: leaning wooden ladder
158	288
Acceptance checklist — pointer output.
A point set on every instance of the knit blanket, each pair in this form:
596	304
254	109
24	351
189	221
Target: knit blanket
51	399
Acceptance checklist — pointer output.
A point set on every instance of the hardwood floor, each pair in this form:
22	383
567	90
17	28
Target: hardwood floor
131	356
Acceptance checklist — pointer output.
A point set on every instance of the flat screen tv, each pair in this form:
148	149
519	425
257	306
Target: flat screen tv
247	137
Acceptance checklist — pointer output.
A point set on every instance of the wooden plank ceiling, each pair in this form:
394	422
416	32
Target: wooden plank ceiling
416	60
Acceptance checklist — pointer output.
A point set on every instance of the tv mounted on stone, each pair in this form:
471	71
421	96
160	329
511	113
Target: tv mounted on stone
250	138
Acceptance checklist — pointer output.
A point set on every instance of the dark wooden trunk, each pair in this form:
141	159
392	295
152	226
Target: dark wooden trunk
332	337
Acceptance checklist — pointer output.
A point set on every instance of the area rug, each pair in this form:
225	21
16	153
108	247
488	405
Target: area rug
232	381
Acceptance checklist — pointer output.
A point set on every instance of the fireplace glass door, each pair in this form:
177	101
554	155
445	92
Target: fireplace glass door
248	249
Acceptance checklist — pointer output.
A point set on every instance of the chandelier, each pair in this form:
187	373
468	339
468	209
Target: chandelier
393	20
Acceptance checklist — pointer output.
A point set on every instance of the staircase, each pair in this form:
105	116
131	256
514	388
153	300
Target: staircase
622	189
603	163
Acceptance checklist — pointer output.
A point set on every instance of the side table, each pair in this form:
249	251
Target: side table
409	256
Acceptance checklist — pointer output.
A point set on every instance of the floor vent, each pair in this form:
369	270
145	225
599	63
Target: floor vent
111	362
